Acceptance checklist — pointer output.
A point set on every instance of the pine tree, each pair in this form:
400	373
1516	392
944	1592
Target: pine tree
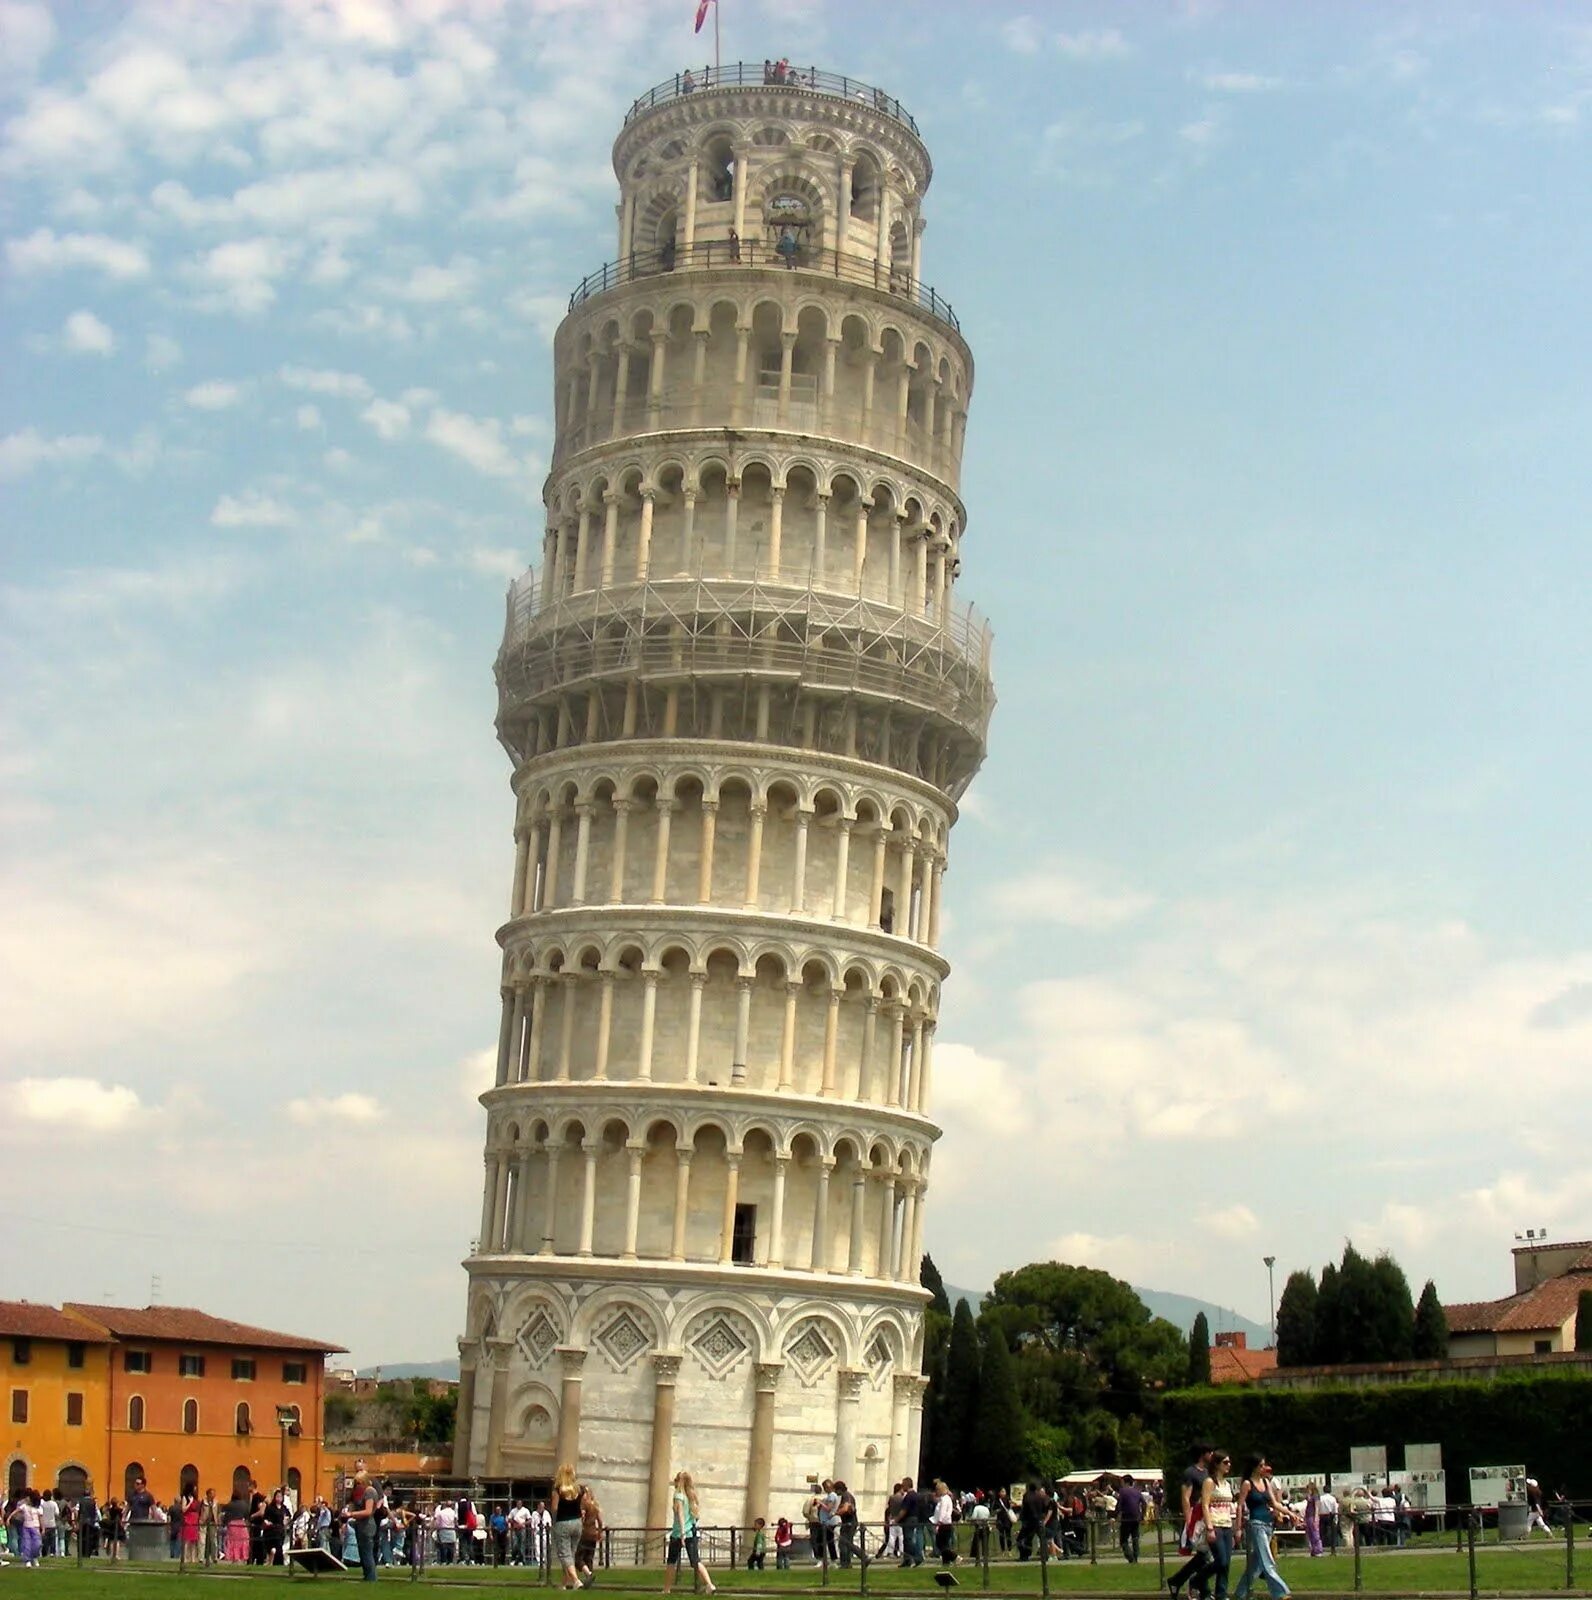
1296	1321
1199	1350
959	1403
1329	1318
1431	1326
929	1277
1583	1320
999	1429
1392	1313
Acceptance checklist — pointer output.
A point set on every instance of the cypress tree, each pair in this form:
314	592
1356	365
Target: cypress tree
929	1277
1431	1326
1392	1335
959	1404
1329	1319
999	1428
1199	1351
1296	1321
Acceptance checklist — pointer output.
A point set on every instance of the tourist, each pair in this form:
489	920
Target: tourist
829	1520
499	1525
541	1533
445	1523
911	1519
26	1517
189	1515
1216	1507
687	83
591	1531
977	1517
1260	1511
566	1523
846	1513
49	1521
1196	1570
1032	1511
1327	1510
890	1545
1536	1505
113	1524
757	1553
519	1532
141	1503
235	1530
361	1514
1313	1519
1005	1518
274	1521
784	1538
943	1520
813	1516
1130	1517
683	1534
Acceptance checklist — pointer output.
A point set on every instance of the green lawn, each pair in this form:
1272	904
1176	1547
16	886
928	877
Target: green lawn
1538	1571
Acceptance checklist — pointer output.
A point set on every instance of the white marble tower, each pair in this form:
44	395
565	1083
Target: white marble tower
741	699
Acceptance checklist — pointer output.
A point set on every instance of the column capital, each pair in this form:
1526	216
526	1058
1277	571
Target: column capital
744	982
850	1381
766	1375
683	1153
585	808
570	1359
622	804
592	1148
650	977
699	980
665	1368
662	805
647	492
903	1384
776	491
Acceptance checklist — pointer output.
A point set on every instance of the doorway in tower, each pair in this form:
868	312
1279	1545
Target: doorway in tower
743	1241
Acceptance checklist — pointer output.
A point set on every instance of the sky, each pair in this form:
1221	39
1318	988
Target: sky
1270	909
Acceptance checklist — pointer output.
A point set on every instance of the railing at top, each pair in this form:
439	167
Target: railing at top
766	75
722	253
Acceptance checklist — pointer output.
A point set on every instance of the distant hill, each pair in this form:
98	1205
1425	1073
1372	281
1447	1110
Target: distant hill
1178	1309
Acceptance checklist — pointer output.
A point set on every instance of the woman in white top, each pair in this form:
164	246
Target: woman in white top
942	1519
1216	1512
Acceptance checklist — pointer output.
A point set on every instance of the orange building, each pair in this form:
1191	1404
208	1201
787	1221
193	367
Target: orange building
195	1399
55	1387
167	1393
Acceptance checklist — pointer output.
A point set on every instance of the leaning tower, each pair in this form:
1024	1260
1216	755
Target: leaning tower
741	697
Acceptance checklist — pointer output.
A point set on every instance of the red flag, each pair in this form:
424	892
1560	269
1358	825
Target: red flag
702	14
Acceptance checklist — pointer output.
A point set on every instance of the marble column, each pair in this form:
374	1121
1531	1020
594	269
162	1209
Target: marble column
859	1218
466	1406
636	1153
665	1373
776	1226
682	1202
710	819
693	1030
760	1463
743	1024
550	1203
649	1019
820	1258
902	1464
592	1148
831	1038
571	1361
732	1191
849	1381
787	1038
498	1352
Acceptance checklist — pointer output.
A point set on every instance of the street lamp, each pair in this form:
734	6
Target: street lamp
1271	1291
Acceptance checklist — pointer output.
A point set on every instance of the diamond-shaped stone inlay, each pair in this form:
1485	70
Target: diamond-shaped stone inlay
622	1340
537	1338
878	1355
810	1351
719	1346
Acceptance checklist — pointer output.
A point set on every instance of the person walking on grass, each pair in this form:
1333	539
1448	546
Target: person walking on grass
683	1534
1260	1512
1216	1509
591	1531
566	1523
1196	1570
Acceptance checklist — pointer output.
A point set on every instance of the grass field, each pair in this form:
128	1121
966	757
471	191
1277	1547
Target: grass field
1501	1570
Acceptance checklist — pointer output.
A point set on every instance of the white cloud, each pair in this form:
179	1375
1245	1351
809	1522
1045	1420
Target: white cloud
1093	44
476	440
505	564
312	1110
1238	82
44	250
1057	894
345	385
388	418
75	1104
21	452
241	275
215	395
308	418
84	334
428	285
1021	35
1204	133
251	510
161	352
26	34
1235	1221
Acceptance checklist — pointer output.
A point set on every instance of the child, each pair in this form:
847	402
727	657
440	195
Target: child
784	1538
758	1554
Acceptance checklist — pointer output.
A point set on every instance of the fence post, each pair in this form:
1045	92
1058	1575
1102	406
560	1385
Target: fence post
864	1560
1359	1576
1044	1560
989	1529
1160	1556
1569	1545
1094	1532
1470	1546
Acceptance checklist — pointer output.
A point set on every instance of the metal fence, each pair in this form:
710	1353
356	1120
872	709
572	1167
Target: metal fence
766	75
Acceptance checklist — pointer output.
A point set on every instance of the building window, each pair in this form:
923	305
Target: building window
74	1356
243	1369
137	1361
1542	1347
19	1405
190	1416
74	1411
135	1414
241	1422
190	1366
295	1372
743	1241
21	1351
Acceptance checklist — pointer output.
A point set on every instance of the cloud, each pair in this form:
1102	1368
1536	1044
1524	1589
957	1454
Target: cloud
214	395
388	418
1083	149
251	510
81	1105
21	452
1021	35
1235	1221
84	334
477	441
429	285
44	250
1204	133
27	33
345	385
1238	82
161	352
312	1110
1056	894
308	418
1093	44
505	564
240	276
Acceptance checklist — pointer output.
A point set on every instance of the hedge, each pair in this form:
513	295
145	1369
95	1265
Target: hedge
1544	1421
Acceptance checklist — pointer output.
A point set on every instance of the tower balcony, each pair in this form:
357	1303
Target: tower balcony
756	75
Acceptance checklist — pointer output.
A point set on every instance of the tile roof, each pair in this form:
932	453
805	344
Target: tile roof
1549	1305
1232	1364
21	1319
185	1325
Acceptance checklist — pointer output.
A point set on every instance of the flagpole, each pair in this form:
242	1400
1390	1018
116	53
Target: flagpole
718	70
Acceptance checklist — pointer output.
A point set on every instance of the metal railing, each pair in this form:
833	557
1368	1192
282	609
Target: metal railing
766	75
844	266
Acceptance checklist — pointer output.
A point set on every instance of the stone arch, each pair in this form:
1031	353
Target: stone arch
722	1332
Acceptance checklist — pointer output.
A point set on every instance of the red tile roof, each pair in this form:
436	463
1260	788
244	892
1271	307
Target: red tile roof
1237	1364
21	1319
185	1325
1549	1305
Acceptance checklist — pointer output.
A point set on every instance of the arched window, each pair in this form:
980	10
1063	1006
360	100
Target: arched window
132	1476
188	1479
241	1480
190	1416
16	1478
135	1414
298	1420
865	189
71	1483
241	1423
295	1483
